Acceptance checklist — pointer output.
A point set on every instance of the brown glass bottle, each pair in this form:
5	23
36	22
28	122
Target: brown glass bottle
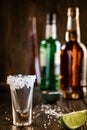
34	67
71	60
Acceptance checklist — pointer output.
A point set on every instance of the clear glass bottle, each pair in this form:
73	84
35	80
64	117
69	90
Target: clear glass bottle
50	58
34	65
72	56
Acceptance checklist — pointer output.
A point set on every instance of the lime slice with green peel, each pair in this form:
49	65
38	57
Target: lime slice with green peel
74	120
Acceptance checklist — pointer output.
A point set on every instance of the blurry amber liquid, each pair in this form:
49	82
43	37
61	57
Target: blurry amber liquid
71	68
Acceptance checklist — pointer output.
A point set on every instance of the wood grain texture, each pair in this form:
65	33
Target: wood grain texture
14	29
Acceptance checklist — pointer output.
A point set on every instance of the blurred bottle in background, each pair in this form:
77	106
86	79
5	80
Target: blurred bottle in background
50	60
83	81
73	58
34	66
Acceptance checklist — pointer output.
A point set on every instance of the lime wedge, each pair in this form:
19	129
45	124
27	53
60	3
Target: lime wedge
74	120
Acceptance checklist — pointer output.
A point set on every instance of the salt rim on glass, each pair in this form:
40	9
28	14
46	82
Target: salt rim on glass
20	81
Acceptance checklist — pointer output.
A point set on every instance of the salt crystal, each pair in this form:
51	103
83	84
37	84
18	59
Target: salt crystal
33	112
19	81
7	118
45	126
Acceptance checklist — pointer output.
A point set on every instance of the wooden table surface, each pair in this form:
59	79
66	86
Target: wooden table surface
45	115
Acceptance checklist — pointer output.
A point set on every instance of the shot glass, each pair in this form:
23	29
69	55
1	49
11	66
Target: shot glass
21	88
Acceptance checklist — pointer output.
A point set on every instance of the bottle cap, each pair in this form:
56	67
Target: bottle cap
51	18
73	11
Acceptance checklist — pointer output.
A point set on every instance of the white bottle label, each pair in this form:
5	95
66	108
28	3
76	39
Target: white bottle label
42	57
57	63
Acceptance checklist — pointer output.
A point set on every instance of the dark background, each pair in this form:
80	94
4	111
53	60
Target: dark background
14	29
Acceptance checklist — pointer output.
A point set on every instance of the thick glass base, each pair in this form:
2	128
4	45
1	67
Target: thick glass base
73	95
21	124
22	118
51	96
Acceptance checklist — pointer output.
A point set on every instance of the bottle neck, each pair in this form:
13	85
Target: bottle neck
51	31
73	28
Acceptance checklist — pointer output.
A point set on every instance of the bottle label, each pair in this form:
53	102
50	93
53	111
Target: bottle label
57	63
51	31
42	57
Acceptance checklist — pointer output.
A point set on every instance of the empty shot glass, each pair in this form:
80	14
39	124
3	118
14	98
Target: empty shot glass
21	87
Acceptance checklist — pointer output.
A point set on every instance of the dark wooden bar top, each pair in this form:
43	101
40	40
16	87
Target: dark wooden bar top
45	115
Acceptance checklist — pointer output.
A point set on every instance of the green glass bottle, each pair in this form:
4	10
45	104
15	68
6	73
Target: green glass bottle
50	58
